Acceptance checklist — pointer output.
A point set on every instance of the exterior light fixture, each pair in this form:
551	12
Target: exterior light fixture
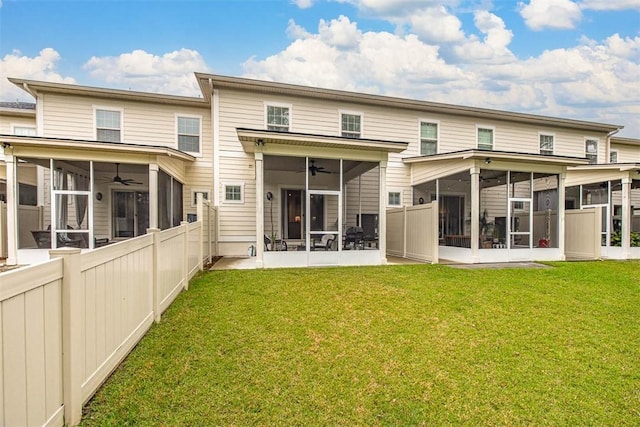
487	160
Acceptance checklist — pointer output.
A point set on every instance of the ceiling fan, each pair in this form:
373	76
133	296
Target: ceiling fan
124	181
316	169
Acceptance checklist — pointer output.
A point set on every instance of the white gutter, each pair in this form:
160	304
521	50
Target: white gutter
608	146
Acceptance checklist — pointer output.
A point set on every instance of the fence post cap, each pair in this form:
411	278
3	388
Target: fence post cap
59	252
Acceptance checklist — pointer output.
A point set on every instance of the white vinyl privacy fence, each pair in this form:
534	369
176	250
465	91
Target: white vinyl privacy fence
67	323
412	232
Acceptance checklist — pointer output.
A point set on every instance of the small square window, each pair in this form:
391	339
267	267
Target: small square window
485	139
194	198
395	198
233	193
351	125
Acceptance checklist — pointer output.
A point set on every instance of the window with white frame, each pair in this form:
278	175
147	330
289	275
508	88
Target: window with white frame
591	150
613	157
395	198
428	138
24	131
108	125
233	193
189	133
485	138
278	118
351	125
194	196
546	144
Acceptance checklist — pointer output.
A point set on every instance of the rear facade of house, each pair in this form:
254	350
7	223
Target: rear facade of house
302	176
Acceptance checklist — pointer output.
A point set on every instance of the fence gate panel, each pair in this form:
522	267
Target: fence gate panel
582	233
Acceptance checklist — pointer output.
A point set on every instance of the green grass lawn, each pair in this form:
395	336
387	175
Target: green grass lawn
395	345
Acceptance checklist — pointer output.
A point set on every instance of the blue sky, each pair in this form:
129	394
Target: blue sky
569	58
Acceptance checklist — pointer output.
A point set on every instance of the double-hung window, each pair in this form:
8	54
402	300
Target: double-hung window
278	118
546	144
189	131
485	138
591	150
351	125
428	138
613	157
108	125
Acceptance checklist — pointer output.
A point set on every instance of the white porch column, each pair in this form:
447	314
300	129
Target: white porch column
382	216
475	212
259	210
12	207
153	195
626	217
561	214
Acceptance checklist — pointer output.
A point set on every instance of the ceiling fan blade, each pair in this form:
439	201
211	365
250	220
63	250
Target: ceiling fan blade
323	171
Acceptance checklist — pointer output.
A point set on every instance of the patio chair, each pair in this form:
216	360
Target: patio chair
325	243
354	238
280	245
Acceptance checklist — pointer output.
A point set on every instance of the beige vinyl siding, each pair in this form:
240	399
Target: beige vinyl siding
141	123
363	195
8	122
627	153
237	220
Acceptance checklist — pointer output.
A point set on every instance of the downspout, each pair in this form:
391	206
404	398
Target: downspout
608	146
215	137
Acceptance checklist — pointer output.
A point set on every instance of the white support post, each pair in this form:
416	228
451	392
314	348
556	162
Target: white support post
259	210
626	217
475	213
185	254
382	217
12	208
561	214
200	218
155	268
434	227
153	195
72	337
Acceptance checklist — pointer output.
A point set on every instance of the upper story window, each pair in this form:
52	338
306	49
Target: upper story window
546	144
278	117
108	125
189	131
428	138
485	138
24	131
613	157
351	125
591	150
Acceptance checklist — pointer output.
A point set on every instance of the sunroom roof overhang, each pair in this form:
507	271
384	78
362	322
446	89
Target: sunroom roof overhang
506	156
50	147
251	139
612	167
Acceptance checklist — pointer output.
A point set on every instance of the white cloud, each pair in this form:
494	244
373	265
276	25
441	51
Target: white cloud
610	4
559	14
594	80
494	48
303	4
40	67
171	73
436	24
341	32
